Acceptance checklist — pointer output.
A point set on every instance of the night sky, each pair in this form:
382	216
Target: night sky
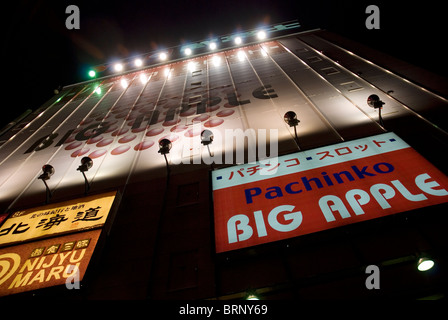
40	53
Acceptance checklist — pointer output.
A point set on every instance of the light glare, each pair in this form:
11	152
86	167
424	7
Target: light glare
241	55
191	66
143	78
163	56
263	52
238	40
138	62
118	67
212	46
188	51
216	61
261	35
167	72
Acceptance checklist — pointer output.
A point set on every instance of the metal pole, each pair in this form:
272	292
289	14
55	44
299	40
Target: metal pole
296	137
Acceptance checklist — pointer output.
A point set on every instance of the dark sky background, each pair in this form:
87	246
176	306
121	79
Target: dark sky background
40	53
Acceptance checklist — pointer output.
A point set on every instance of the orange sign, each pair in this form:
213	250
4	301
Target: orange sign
321	189
46	263
52	219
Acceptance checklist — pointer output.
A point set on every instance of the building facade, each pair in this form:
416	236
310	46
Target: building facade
281	210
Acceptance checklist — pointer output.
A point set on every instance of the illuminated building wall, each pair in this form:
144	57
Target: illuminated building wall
161	241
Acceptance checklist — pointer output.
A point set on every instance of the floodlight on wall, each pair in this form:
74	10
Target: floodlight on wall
86	164
251	295
47	172
164	148
118	67
261	35
212	45
424	264
163	56
207	139
375	102
290	118
138	62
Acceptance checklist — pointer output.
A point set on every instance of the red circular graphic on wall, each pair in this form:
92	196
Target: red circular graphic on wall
144	145
171	137
119	132
213	123
179	128
127	138
170	123
111	128
201	118
97	153
137	130
80	152
213	108
154	132
94	139
73	145
188	113
225	113
120	150
192	133
104	142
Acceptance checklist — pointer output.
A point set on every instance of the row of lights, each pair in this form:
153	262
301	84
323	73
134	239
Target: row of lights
163	56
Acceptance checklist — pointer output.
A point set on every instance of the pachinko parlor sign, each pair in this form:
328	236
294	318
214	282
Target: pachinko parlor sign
320	189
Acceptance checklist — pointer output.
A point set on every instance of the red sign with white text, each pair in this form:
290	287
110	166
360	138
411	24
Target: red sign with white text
321	189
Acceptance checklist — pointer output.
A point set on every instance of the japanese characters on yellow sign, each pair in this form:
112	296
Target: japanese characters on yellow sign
64	217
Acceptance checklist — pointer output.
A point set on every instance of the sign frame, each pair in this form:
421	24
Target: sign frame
320	189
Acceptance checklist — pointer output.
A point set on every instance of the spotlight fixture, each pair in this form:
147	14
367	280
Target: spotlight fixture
261	35
138	62
188	51
86	164
163	56
238	40
252	295
47	172
290	118
207	139
118	67
424	264
212	45
374	102
164	148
